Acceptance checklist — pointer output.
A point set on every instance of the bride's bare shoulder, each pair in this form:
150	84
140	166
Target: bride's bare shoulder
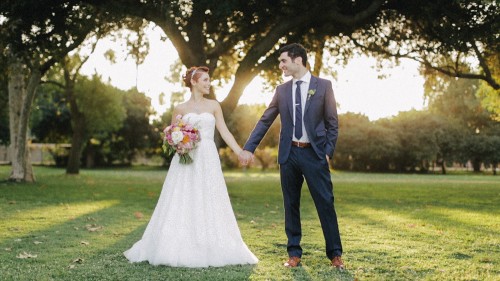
181	108
212	105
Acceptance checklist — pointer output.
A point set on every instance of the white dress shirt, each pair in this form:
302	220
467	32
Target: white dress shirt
304	87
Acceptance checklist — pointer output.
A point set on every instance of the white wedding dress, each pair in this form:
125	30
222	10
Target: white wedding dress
193	224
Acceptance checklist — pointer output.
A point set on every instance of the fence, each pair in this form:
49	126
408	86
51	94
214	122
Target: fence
41	153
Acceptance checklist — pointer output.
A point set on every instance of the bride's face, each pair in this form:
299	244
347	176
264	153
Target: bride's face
202	84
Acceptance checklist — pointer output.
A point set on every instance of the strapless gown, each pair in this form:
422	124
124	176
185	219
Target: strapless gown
193	224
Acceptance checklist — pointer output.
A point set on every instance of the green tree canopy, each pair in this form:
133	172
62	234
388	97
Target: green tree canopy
50	120
238	39
101	105
34	35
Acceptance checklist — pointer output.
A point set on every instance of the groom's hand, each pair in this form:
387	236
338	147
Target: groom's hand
245	157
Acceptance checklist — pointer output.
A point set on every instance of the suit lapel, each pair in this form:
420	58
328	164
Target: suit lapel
288	97
313	85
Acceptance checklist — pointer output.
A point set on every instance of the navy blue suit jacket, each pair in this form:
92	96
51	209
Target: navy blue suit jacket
320	119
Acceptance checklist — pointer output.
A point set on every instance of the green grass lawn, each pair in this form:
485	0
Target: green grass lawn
393	227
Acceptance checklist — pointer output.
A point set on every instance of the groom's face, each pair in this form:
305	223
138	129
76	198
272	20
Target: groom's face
288	65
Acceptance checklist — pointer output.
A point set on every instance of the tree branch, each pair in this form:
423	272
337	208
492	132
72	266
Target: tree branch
84	60
448	70
161	16
459	74
53	83
482	62
350	20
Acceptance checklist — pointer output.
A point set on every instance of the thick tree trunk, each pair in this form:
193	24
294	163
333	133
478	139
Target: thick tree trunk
21	98
443	167
78	127
241	80
318	58
90	157
476	165
77	141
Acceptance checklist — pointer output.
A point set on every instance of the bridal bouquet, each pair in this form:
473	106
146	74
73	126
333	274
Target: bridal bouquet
180	137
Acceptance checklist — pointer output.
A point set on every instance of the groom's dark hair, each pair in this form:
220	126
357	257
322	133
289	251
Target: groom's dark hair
295	50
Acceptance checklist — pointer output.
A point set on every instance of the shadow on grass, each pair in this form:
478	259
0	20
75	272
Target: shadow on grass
68	250
74	250
422	245
71	190
112	262
439	216
382	226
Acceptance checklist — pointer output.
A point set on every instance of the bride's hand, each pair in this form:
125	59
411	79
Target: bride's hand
245	157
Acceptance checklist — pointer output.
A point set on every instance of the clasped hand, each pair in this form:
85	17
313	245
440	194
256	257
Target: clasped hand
245	157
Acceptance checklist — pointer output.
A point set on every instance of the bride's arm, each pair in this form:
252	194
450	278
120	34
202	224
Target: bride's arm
223	130
176	112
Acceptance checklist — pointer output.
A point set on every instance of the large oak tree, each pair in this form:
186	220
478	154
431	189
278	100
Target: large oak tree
238	39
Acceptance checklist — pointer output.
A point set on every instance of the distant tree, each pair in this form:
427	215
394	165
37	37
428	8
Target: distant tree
457	100
449	136
51	118
241	123
103	113
352	138
381	147
67	73
476	149
34	35
493	157
417	144
243	120
364	145
136	133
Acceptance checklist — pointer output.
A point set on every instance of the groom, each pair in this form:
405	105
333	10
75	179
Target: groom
309	130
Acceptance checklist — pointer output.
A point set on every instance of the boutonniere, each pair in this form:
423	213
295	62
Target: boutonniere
311	93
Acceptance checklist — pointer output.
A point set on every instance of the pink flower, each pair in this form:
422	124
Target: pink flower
180	138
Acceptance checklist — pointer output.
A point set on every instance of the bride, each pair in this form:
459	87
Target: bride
193	224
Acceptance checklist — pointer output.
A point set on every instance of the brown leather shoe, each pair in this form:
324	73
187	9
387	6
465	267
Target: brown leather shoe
292	262
338	263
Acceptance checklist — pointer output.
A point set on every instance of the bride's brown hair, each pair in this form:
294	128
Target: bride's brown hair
193	73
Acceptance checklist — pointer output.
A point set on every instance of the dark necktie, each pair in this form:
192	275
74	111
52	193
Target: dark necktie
298	111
